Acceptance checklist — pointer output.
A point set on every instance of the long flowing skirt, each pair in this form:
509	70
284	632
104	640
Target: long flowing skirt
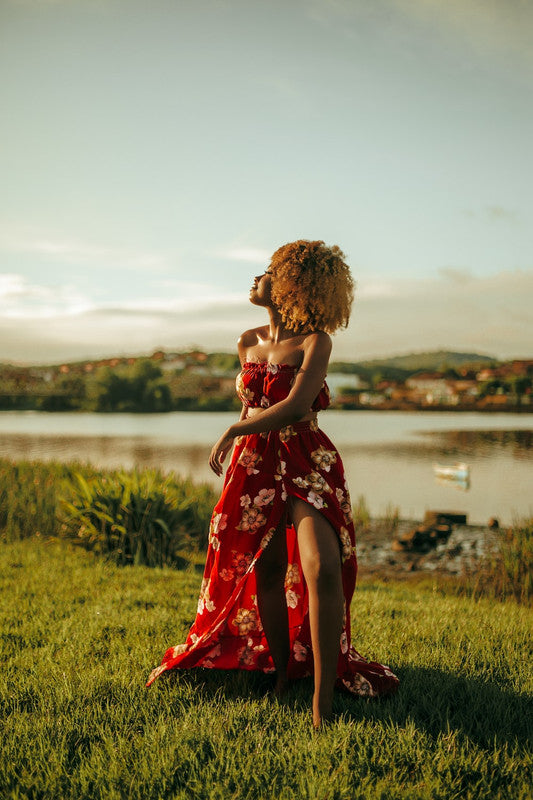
265	469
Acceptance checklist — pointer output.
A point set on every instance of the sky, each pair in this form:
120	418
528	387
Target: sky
154	153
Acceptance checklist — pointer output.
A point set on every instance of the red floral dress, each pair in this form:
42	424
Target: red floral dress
265	468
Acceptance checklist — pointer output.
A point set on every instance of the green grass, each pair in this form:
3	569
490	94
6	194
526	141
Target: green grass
79	636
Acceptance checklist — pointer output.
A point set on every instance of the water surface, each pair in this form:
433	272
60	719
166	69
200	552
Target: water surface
388	456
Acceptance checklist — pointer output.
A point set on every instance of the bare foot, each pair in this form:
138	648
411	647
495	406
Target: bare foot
320	722
322	712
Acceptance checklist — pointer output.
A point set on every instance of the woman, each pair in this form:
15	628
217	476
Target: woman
281	565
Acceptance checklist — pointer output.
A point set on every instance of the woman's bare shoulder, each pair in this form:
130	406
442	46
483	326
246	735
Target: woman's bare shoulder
317	342
252	336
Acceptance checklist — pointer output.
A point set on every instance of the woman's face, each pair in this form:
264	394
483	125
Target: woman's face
260	292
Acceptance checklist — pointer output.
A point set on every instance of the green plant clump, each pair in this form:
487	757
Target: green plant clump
28	498
132	517
517	559
509	571
361	514
135	517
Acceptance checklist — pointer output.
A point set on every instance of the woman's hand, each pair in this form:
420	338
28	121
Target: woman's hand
219	452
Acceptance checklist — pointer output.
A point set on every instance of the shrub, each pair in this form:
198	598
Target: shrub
508	571
136	517
513	566
361	514
132	517
388	524
28	498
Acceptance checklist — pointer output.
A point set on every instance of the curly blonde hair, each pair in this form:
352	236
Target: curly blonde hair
312	287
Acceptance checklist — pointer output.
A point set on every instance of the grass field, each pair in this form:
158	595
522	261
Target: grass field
79	637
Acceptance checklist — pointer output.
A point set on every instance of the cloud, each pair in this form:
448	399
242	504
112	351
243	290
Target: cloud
102	332
451	310
375	289
487	27
490	27
13	286
456	275
252	255
499	213
73	251
21	299
24	300
493	213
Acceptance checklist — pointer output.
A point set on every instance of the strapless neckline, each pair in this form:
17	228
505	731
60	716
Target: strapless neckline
269	364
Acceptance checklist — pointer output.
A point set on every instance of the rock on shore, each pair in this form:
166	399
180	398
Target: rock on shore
462	548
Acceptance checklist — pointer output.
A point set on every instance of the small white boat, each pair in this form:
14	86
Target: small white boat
452	472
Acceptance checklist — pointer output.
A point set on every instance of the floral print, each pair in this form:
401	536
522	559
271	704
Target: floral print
248	459
252	519
315	500
345	505
244	392
300	651
266	538
281	470
204	601
246	620
286	433
360	686
241	561
346	544
218	523
263	381
292	578
264	471
291	598
324	459
264	497
239	565
292	575
313	480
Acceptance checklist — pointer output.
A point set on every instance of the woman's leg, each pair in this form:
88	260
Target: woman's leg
271	570
321	565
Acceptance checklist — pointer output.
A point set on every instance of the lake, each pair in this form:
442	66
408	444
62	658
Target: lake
388	455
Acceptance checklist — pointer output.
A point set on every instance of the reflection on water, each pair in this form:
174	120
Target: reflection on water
483	443
109	451
456	445
388	457
455	483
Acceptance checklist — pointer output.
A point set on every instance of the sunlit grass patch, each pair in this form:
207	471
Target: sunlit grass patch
78	639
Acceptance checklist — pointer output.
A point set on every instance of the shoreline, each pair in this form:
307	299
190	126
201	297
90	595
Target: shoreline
464	552
404	409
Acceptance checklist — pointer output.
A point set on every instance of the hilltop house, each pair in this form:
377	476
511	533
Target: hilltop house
431	388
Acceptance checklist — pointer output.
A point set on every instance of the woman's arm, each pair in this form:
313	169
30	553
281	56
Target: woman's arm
308	382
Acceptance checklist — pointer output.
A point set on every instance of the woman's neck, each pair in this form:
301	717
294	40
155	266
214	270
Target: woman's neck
277	330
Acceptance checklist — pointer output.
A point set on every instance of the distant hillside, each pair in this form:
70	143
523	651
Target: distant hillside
397	367
406	364
431	360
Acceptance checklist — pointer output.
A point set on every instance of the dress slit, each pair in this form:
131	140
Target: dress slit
265	469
